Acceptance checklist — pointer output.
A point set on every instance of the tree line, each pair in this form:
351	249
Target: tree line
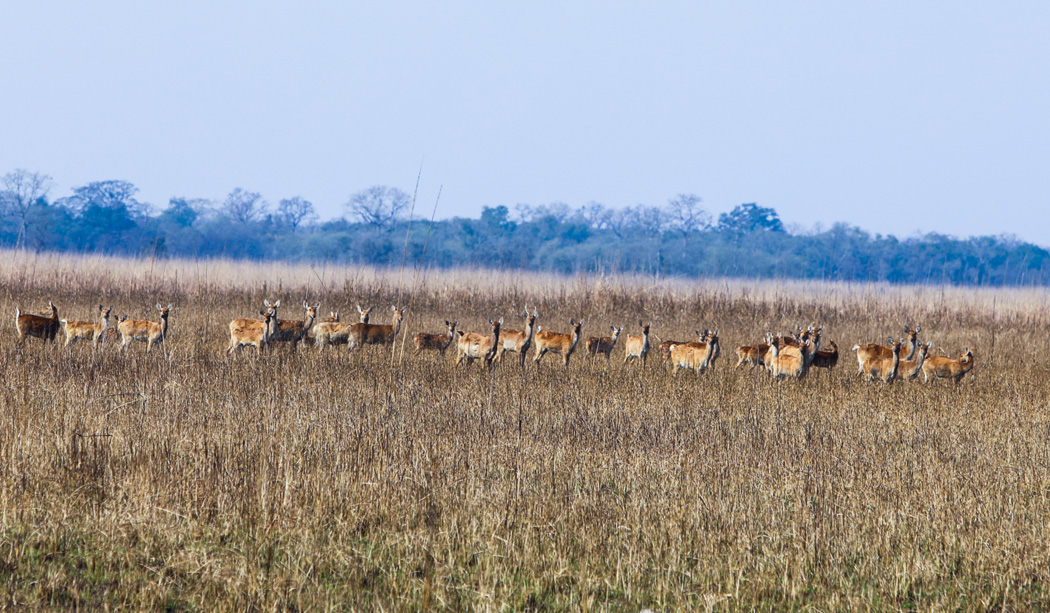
679	238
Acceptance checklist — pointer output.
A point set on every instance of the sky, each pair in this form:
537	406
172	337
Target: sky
897	117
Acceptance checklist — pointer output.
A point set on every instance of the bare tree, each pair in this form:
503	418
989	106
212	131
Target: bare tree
244	206
111	194
23	190
686	215
296	211
378	206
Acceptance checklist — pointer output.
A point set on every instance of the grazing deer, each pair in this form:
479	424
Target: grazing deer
557	342
40	326
867	354
293	331
604	344
476	346
438	342
947	368
782	365
910	369
886	368
150	332
827	358
252	333
638	346
375	334
696	355
76	330
519	340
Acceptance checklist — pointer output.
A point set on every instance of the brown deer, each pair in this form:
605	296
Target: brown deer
947	368
826	358
335	332
910	369
519	340
870	353
557	342
375	334
150	332
291	330
638	346
886	368
76	330
784	365
437	342
474	345
40	326
252	334
605	344
696	355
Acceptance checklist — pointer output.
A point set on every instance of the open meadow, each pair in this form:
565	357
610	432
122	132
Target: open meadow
185	479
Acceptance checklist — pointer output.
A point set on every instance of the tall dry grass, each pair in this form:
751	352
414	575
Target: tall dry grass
377	480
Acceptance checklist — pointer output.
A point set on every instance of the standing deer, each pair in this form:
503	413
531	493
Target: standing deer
696	355
150	332
76	330
788	364
638	346
40	326
910	369
290	330
827	358
605	344
519	340
557	342
252	333
886	368
474	346
437	342
868	354
335	332
947	368
375	334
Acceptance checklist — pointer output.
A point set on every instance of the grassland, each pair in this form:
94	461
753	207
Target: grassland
377	480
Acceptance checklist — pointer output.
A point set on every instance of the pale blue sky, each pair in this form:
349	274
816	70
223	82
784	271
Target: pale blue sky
897	117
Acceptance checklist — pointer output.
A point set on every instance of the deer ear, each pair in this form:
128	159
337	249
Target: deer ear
266	303
277	304
490	320
159	308
501	321
917	329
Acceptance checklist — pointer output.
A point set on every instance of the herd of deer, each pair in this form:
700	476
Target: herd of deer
785	356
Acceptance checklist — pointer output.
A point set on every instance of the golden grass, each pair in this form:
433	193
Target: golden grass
379	480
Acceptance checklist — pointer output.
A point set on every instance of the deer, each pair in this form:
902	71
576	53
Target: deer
76	330
872	352
886	368
290	330
665	348
638	346
375	334
826	358
311	335
438	342
252	333
783	365
909	369
939	367
40	326
150	332
603	345
335	332
557	342
519	340
476	346
696	355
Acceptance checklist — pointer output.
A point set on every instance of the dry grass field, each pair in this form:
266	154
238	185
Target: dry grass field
377	480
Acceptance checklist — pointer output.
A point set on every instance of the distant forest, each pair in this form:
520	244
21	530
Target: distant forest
679	238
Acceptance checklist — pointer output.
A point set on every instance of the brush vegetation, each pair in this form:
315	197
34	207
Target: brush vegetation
378	480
